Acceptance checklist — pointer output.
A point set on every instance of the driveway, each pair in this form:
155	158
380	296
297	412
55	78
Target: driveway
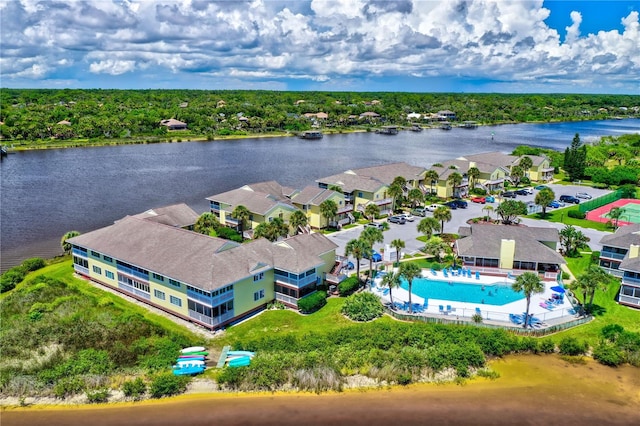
408	232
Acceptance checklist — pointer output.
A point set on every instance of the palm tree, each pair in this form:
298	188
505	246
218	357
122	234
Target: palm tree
454	179
572	239
298	220
415	197
615	214
410	271
435	246
592	279
428	225
356	248
206	223
398	244
528	283
328	209
391	280
371	211
442	214
66	247
432	176
395	192
280	228
241	213
543	198
516	174
488	208
370	236
526	163
473	173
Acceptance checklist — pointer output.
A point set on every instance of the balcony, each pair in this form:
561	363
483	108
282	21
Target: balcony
297	282
630	280
612	255
346	209
292	301
80	253
133	272
208	320
81	269
218	300
132	290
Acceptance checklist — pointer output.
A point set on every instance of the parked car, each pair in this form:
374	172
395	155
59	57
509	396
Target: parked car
569	199
349	265
376	257
523	191
539	187
419	211
453	205
583	195
490	199
397	219
480	200
509	194
408	217
554	204
461	204
432	207
375	225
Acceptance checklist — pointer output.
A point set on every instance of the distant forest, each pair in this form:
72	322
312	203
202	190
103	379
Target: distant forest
40	116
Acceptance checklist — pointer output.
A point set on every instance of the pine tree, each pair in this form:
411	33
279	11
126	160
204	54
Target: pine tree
575	159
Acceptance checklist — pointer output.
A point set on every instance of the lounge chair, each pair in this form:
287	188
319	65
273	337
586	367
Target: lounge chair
441	309
433	272
444	272
448	308
477	275
478	311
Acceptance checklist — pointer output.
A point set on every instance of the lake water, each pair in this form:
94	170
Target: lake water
47	193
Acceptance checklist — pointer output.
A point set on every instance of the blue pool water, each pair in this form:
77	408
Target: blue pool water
487	294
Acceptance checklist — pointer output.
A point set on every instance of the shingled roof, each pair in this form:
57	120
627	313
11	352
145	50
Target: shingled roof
178	215
623	237
258	198
312	195
485	241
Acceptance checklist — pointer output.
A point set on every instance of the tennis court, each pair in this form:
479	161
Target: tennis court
630	212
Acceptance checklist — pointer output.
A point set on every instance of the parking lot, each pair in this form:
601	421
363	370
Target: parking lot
408	232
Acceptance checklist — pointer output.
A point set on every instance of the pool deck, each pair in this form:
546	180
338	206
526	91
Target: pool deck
490	313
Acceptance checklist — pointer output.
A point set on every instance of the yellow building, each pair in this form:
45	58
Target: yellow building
205	280
309	200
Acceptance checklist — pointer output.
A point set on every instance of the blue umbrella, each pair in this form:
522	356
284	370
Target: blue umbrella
558	289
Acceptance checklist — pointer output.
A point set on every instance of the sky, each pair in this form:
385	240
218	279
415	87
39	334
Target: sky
515	46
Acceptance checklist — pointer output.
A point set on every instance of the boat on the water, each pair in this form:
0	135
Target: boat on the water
469	125
388	130
445	125
416	128
188	371
311	134
193	349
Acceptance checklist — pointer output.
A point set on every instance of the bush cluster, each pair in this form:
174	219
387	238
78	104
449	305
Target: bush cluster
572	346
134	388
167	384
362	307
576	214
348	286
14	276
312	302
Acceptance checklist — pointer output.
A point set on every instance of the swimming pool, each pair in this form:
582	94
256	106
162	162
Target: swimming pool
499	293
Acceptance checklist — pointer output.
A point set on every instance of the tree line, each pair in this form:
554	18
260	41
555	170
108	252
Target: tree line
32	115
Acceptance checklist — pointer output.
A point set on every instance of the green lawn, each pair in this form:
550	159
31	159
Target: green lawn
562	216
607	310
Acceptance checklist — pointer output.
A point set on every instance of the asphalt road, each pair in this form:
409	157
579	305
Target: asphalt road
408	232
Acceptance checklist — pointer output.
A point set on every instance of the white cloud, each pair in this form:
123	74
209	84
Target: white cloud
318	40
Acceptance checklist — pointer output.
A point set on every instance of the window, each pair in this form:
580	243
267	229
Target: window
158	277
258	277
359	194
133	283
176	301
258	295
107	259
109	274
97	270
95	254
174	283
80	261
159	294
199	308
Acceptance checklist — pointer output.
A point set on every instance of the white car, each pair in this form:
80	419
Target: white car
408	217
583	195
432	207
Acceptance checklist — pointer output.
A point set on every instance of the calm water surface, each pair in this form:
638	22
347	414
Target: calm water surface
47	193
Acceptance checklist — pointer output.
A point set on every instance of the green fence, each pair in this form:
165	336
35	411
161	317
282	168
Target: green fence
600	201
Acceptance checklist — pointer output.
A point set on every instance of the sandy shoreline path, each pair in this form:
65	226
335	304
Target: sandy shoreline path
532	390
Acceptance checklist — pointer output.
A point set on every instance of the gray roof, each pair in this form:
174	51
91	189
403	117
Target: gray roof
179	215
496	158
199	260
631	265
174	252
312	195
536	160
623	237
350	181
386	173
254	200
485	240
272	188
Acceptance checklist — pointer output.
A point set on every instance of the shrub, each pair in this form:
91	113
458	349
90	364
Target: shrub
477	318
404	379
547	346
478	191
68	386
229	234
33	264
10	279
134	388
611	332
98	396
608	354
312	302
572	346
348	286
488	374
565	275
576	214
362	307
167	384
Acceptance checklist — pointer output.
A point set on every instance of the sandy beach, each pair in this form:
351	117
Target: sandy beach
531	390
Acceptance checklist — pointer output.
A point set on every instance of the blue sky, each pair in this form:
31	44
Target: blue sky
513	46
